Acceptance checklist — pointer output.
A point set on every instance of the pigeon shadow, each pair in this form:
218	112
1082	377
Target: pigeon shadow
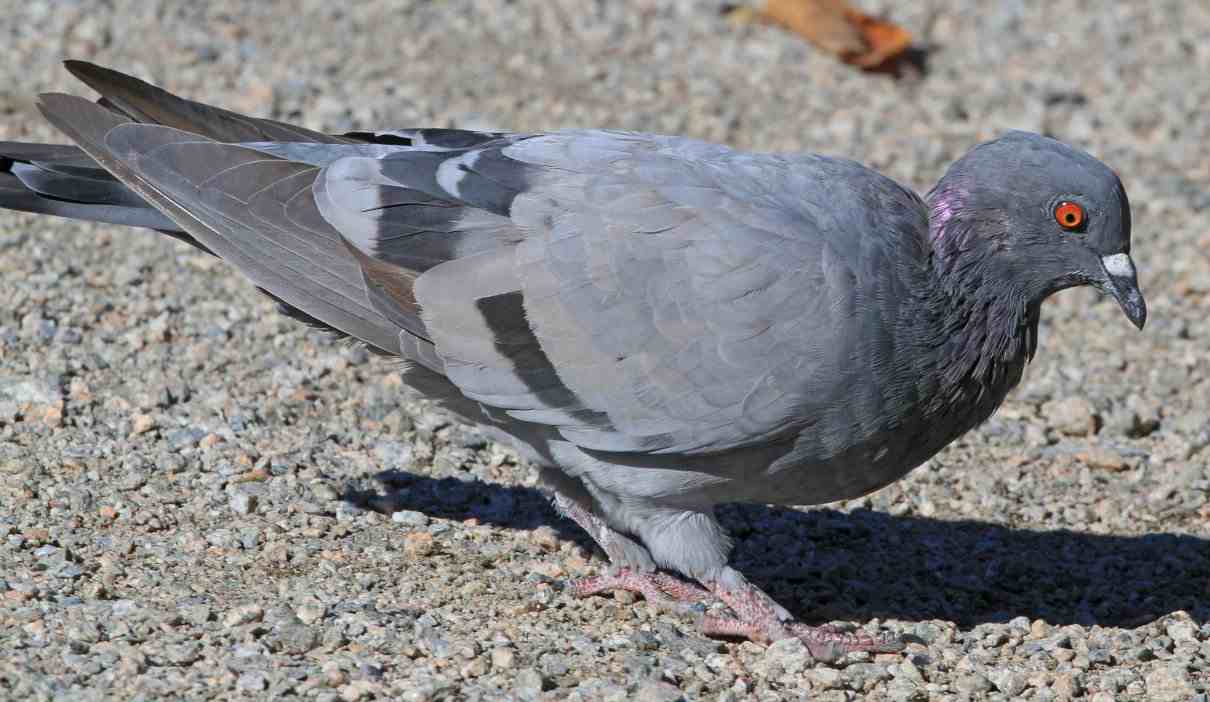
823	564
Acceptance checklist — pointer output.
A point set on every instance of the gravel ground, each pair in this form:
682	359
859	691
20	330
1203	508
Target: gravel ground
200	499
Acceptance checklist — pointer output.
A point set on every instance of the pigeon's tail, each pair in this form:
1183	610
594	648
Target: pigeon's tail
64	181
147	158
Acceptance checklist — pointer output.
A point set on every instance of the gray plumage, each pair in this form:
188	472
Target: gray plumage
662	324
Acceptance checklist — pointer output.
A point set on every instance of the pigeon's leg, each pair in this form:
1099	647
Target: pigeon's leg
694	543
760	618
632	569
631	566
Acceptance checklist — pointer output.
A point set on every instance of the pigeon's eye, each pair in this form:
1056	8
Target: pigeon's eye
1069	215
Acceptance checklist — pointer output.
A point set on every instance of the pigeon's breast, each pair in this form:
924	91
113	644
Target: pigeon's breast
845	460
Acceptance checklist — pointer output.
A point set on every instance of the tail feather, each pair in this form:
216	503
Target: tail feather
103	190
61	158
144	157
65	182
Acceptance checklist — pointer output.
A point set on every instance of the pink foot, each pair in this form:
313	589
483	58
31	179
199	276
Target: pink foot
759	618
655	587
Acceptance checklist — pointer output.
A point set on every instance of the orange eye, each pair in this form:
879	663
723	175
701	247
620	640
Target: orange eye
1069	215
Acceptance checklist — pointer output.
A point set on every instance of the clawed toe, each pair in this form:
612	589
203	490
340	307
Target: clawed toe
658	588
731	627
757	616
826	643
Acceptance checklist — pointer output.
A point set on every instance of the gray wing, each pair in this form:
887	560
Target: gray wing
662	295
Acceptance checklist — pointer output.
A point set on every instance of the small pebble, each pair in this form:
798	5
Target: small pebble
503	658
418	544
243	503
410	518
243	615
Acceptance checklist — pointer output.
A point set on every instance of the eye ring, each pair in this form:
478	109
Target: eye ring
1069	215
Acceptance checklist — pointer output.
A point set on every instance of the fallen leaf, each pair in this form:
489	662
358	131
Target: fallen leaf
838	28
884	40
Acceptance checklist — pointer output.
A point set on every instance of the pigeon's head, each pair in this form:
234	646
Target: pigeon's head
1040	214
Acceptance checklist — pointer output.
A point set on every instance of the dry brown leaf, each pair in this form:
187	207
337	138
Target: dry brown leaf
838	28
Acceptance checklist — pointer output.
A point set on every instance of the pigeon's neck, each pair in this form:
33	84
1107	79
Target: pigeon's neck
985	321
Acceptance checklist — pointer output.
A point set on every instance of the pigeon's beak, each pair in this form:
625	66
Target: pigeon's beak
1122	282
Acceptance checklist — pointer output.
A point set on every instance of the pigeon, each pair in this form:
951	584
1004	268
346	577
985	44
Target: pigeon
659	324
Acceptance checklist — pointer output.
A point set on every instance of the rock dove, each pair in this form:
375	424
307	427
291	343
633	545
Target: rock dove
660	324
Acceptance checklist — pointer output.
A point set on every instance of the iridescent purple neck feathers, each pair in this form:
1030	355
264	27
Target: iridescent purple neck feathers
944	203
